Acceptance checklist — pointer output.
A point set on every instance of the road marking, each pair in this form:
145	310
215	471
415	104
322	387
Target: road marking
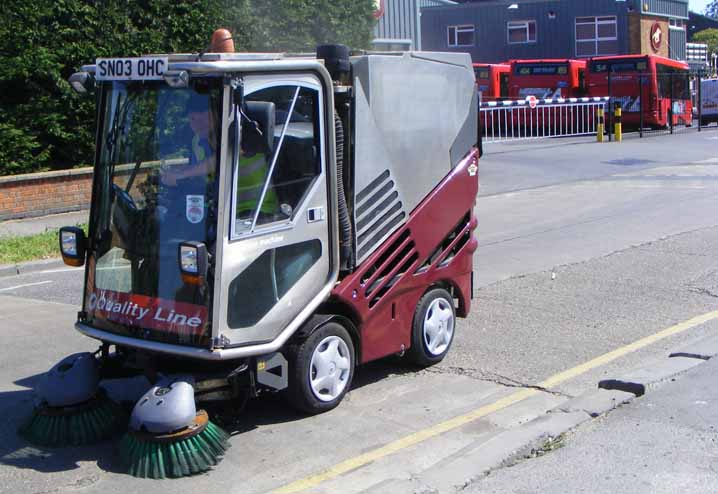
25	285
456	422
61	270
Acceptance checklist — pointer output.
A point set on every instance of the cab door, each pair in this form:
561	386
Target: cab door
277	257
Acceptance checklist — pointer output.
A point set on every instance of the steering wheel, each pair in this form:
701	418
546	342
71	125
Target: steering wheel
124	215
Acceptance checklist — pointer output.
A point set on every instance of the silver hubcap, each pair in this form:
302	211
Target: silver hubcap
330	368
438	326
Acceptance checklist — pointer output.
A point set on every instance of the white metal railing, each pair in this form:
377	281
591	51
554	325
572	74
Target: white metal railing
540	118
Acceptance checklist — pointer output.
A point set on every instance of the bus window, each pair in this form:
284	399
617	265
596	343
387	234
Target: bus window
672	82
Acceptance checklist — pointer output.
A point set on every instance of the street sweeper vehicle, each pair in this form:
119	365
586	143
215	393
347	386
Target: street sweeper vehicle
262	223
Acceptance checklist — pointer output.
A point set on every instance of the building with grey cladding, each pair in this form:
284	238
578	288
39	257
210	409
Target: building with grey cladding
499	30
399	26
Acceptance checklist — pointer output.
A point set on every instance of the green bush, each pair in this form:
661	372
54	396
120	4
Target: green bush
44	125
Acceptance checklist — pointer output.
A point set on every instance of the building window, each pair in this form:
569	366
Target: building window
460	35
596	36
521	32
677	24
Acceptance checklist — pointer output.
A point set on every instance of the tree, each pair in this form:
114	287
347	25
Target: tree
709	37
300	25
712	9
44	125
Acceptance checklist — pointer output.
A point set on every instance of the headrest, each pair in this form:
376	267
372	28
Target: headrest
263	113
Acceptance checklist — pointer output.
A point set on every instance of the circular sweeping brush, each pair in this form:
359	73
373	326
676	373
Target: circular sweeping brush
168	437
194	449
72	410
93	421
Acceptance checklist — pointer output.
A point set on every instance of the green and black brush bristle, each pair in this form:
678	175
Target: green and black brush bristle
92	421
189	451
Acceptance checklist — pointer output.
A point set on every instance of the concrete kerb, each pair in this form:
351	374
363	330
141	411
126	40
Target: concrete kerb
30	267
510	446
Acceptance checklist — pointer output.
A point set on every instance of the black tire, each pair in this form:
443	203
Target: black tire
300	393
420	353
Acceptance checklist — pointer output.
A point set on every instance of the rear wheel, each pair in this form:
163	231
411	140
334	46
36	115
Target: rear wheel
321	369
433	328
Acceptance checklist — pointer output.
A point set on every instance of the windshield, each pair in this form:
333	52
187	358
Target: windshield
155	188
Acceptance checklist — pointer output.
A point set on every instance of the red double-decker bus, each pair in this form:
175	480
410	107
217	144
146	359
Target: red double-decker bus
547	78
648	84
492	80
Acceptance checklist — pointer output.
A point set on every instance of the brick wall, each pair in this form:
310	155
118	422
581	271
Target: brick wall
38	194
646	25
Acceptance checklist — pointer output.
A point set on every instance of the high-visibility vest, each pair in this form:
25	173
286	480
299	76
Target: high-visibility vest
199	153
252	175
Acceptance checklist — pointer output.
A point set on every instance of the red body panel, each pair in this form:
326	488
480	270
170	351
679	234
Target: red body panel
488	79
385	324
626	88
545	86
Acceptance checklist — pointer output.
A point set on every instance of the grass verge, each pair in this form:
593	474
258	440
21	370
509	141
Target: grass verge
30	248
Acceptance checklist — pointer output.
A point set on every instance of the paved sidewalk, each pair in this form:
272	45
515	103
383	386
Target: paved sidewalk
33	226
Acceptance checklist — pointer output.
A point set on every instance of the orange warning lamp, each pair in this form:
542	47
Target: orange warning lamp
222	42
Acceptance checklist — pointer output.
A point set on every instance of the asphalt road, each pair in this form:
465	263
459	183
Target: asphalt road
662	443
578	256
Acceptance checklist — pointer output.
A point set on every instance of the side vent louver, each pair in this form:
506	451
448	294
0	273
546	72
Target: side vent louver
449	247
389	268
378	212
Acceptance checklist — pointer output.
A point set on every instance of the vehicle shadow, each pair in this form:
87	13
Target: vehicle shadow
273	409
16	407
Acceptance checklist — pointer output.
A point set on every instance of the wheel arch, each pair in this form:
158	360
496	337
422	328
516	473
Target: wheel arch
454	289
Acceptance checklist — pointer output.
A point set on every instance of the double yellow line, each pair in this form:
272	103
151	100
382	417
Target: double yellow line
461	420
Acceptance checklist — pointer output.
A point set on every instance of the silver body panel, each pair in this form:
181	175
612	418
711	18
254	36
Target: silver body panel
410	109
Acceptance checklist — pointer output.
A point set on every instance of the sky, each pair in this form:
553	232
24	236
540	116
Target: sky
697	5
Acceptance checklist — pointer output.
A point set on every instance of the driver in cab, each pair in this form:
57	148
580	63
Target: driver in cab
202	156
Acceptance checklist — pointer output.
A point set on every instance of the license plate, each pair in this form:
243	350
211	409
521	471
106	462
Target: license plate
130	69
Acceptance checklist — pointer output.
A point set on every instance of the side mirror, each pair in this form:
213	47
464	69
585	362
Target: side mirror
73	245
81	82
193	261
258	127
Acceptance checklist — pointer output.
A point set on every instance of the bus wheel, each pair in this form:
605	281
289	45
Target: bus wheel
321	369
433	328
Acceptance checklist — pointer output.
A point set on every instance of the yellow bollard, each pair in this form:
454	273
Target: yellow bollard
618	126
600	126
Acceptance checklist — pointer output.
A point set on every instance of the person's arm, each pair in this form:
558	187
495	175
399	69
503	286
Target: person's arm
204	167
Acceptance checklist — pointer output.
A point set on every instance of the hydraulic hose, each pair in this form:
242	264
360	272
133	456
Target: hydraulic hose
345	241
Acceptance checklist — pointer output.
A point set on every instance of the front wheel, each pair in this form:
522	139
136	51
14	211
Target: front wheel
433	328
321	369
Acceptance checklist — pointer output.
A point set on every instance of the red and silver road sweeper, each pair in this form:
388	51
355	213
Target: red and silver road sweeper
267	222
